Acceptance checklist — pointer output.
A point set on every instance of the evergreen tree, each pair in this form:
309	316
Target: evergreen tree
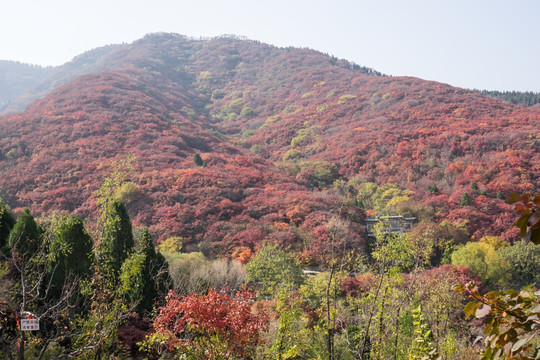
474	185
500	195
72	252
25	237
7	221
154	273
117	239
197	160
465	200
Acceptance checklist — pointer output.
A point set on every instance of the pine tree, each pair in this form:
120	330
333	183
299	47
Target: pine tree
500	195
474	185
153	273
7	221
197	160
117	240
72	252
25	237
465	200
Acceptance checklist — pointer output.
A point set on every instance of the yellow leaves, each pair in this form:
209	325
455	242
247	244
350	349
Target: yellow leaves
344	99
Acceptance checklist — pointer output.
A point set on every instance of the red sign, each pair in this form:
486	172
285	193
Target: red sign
29	324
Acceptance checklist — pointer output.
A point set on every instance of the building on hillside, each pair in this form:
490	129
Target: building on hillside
397	224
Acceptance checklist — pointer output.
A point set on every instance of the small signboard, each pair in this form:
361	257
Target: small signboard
29	324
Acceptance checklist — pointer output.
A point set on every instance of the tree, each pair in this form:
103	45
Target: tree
274	267
145	275
211	326
422	347
33	290
117	240
7	221
511	320
197	160
171	244
484	261
474	185
25	237
71	253
465	200
524	262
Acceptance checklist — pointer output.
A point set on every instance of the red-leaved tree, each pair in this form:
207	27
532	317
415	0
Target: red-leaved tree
211	326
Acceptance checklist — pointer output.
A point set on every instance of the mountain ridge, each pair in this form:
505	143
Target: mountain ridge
290	138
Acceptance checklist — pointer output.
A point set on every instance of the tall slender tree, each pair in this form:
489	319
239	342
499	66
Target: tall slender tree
153	273
117	239
7	221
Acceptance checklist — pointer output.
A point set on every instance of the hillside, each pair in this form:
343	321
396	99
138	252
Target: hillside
16	79
292	140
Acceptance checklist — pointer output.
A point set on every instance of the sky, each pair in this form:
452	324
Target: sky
474	44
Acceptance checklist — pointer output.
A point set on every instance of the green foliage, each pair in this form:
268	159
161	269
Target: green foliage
289	109
132	277
248	112
270	120
154	275
322	108
197	160
528	209
527	98
465	200
71	251
474	185
236	104
128	192
218	94
383	199
25	237
422	347
171	245
117	239
500	195
274	267
318	174
391	252
107	193
511	320
292	154
524	262
290	339
343	99
484	261
7	221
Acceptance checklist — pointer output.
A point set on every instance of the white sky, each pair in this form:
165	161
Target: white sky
484	44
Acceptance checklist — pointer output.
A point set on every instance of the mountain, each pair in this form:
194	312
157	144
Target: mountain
16	79
293	141
25	83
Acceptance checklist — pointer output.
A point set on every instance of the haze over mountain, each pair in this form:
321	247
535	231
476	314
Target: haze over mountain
290	138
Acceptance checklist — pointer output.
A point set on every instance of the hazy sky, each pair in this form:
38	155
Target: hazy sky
468	43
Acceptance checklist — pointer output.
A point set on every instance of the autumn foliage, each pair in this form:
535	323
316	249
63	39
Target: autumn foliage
210	326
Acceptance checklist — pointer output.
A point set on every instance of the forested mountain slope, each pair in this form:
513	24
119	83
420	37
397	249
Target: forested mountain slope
292	140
